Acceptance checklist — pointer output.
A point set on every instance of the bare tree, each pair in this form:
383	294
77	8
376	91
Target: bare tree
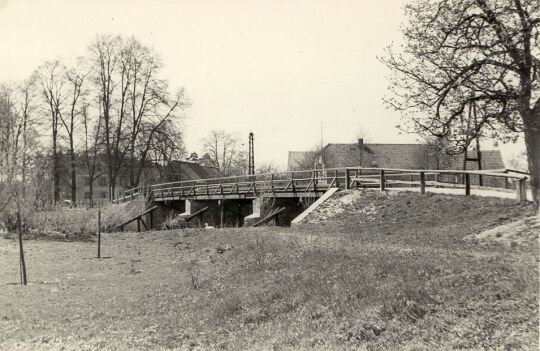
27	106
17	128
266	168
470	68
51	80
92	146
104	57
136	105
222	151
75	80
10	133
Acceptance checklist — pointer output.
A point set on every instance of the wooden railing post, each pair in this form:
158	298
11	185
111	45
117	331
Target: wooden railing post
521	190
383	180
467	177
336	178
422	183
347	178
314	176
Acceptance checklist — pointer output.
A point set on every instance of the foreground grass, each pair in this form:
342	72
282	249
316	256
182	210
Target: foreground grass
397	276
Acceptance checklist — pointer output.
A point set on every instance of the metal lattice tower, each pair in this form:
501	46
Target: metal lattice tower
478	158
251	155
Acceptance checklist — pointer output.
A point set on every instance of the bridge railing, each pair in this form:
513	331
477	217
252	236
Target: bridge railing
317	180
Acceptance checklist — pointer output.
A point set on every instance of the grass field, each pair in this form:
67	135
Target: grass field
387	272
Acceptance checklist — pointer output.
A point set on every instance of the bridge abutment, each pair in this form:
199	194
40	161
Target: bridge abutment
256	210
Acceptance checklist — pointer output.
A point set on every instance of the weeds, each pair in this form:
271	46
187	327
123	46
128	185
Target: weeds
192	270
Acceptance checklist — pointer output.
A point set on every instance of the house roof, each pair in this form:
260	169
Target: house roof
182	170
408	156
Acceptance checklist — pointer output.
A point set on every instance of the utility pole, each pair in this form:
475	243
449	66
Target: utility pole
251	155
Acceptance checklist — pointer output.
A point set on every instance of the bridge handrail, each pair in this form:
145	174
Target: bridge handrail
203	181
339	173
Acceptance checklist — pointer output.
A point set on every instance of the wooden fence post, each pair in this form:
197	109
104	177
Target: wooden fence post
99	233
521	190
467	183
21	250
422	183
347	178
383	181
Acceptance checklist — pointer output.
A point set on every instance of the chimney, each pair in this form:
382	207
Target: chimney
360	142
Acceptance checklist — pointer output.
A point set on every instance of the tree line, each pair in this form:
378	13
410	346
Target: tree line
109	113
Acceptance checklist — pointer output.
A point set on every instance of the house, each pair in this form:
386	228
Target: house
404	156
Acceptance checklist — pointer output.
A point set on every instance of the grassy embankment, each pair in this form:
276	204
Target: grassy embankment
389	272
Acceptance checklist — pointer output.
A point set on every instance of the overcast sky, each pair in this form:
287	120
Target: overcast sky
277	68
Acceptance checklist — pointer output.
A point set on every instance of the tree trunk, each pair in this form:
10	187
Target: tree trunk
21	249
56	172
91	190
132	167
532	143
73	178
110	175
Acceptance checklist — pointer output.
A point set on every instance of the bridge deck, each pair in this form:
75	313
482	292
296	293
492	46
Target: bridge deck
313	183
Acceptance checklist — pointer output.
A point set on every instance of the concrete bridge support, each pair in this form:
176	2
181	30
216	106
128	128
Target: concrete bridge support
228	212
256	212
262	207
220	213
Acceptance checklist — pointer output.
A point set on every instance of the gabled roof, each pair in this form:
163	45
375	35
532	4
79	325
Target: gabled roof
407	156
182	170
377	155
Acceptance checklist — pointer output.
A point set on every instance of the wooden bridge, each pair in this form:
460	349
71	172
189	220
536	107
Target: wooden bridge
313	183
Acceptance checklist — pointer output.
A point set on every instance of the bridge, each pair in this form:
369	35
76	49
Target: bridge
247	199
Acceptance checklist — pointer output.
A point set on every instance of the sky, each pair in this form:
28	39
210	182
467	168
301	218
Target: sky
285	70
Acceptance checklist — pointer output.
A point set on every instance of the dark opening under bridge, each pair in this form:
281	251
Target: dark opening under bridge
240	200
